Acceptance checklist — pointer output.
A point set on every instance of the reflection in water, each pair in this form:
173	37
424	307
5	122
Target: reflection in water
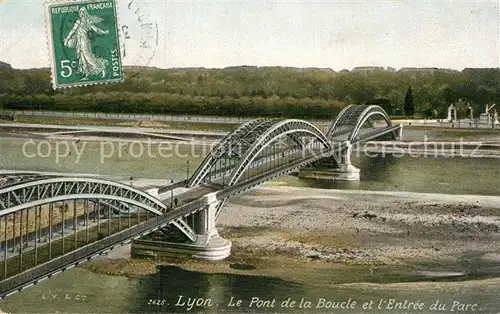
454	175
173	289
375	168
160	292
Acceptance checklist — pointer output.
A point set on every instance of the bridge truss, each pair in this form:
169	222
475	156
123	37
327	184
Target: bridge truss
248	138
45	218
258	148
349	122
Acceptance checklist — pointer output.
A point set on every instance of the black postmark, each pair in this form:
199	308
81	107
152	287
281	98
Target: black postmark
142	29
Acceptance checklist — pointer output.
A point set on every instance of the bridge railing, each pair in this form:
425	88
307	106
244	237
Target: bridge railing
178	184
238	188
79	255
85	253
369	135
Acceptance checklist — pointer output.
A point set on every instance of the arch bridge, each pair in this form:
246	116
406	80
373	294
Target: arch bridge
49	224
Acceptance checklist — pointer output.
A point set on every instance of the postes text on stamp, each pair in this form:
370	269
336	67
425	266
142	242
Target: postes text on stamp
83	42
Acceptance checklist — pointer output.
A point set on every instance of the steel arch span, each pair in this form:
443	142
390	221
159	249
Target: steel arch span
276	129
367	114
338	125
348	123
27	194
227	154
120	197
224	148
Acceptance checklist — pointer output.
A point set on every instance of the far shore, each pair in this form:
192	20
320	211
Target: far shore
484	145
222	126
307	229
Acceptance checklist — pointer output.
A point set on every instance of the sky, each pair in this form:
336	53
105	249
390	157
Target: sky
330	34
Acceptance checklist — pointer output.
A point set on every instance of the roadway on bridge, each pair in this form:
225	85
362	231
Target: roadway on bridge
258	163
29	241
67	230
183	197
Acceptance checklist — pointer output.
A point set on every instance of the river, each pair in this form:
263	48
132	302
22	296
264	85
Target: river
129	158
82	291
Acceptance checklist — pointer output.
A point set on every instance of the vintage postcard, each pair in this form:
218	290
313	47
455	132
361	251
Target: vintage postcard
83	42
255	157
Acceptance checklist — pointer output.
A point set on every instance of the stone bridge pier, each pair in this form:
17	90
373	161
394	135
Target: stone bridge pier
346	171
211	245
327	169
207	246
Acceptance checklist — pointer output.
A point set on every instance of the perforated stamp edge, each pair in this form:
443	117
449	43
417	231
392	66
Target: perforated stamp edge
50	45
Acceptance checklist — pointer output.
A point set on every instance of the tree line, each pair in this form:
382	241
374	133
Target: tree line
257	91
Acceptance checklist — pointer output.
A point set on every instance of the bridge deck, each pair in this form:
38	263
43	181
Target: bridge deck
119	230
193	194
375	133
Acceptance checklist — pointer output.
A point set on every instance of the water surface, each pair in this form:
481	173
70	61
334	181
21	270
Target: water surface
81	291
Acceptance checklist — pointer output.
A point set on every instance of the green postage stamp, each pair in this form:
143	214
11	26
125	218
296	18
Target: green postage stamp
83	42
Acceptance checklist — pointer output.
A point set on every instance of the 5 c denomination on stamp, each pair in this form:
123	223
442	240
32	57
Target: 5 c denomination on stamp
83	42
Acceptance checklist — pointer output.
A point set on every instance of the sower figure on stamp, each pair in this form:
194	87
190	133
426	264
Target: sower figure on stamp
78	37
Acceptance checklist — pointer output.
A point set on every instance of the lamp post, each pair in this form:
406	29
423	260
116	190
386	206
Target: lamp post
172	195
187	169
223	171
495	119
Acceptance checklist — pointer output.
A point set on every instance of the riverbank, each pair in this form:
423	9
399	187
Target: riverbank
129	122
292	233
219	125
444	144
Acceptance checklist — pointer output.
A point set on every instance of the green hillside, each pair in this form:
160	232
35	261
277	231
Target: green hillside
255	91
